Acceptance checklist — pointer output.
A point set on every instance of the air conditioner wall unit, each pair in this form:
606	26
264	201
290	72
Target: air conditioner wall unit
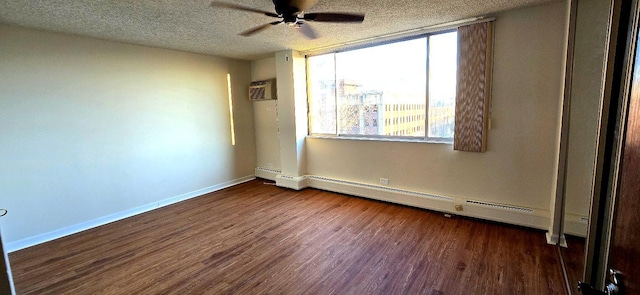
263	90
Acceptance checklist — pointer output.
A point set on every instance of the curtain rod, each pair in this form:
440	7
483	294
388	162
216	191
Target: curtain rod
397	35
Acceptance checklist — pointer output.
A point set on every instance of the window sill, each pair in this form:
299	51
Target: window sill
383	139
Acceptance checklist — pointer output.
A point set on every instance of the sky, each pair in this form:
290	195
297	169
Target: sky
397	69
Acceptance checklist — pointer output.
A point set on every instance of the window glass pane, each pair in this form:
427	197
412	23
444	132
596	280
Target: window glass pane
442	84
321	90
381	90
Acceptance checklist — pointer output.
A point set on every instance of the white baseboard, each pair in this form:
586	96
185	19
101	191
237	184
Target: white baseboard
559	240
76	228
292	182
382	193
534	218
511	214
576	225
267	173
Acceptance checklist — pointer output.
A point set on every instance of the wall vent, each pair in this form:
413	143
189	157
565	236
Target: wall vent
382	188
269	170
262	90
500	206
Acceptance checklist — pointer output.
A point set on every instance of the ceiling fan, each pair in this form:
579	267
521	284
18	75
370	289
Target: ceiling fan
291	12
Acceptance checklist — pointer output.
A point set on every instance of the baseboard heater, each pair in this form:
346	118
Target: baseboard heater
382	188
500	206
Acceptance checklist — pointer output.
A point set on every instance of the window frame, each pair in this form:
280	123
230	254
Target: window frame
373	137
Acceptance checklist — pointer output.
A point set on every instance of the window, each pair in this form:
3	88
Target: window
404	89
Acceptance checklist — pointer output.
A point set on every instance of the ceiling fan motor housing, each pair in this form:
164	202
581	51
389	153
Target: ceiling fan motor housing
292	13
287	9
293	6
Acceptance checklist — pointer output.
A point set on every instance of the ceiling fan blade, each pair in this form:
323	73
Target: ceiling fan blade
257	29
242	8
334	17
306	30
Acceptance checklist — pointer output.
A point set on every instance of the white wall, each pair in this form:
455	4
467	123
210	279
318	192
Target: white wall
266	118
519	167
90	128
585	101
292	112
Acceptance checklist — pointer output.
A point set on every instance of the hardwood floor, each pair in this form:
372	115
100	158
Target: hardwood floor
573	257
260	239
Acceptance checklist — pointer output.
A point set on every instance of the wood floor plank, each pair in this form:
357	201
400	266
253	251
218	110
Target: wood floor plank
261	239
573	256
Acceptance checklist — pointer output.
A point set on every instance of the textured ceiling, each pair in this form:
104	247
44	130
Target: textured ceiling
195	26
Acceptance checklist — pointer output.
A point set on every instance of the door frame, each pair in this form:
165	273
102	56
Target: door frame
620	55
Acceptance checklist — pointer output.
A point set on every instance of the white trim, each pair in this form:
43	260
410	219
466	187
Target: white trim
435	140
576	225
380	193
559	240
69	230
558	203
396	36
267	173
292	182
534	218
529	217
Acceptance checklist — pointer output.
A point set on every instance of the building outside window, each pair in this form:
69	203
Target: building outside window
403	89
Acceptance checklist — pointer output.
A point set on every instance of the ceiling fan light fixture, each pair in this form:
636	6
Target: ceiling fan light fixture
288	11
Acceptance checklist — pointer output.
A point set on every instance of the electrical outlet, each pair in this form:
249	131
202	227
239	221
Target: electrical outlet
384	181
